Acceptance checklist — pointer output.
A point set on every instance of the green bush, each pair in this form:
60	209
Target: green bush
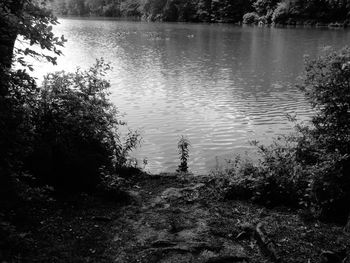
264	7
18	93
31	21
326	86
276	178
183	147
310	168
281	13
251	18
65	133
76	130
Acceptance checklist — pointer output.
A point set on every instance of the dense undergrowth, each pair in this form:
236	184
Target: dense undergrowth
70	131
58	142
311	167
77	130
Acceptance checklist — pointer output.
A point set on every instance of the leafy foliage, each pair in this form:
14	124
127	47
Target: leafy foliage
250	18
183	146
281	13
17	93
263	7
277	11
275	179
30	22
310	168
76	130
65	133
327	86
33	22
108	8
158	10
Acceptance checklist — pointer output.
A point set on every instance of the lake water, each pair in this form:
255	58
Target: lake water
219	85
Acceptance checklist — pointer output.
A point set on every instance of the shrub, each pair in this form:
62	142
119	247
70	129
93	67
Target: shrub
281	13
76	130
251	18
276	178
326	86
17	96
265	9
262	7
310	168
183	146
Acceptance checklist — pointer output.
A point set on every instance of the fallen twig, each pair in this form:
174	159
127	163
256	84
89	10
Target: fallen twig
265	244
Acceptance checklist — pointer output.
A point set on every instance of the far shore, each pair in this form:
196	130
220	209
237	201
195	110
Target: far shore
289	24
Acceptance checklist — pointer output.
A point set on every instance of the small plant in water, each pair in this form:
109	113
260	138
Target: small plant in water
183	146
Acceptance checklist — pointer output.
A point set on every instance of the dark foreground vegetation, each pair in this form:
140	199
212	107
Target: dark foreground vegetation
64	133
305	12
311	168
67	193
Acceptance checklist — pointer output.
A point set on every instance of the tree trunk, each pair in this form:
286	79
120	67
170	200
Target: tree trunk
347	226
7	44
10	16
265	244
9	30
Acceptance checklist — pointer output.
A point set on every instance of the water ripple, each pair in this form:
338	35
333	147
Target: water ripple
219	85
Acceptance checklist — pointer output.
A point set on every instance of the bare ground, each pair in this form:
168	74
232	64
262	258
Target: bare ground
167	219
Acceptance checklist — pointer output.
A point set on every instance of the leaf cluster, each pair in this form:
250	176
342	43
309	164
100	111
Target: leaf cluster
76	130
33	23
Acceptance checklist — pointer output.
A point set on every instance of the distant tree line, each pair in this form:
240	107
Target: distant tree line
109	8
228	11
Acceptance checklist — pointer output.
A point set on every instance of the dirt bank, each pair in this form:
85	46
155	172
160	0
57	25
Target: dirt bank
167	219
